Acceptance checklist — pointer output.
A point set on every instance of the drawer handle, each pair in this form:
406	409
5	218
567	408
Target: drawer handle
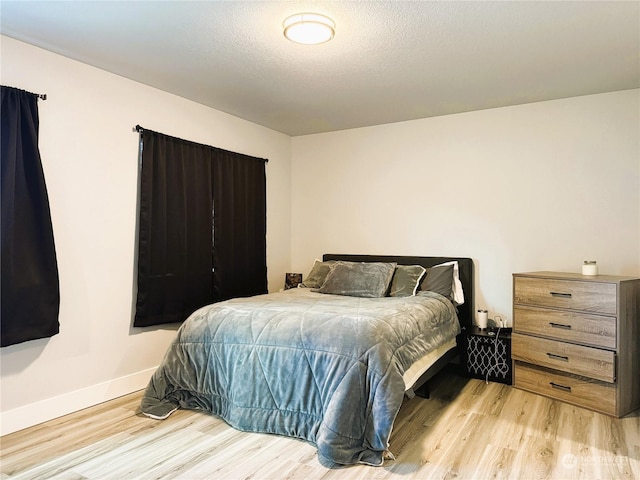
560	295
557	386
560	325
557	357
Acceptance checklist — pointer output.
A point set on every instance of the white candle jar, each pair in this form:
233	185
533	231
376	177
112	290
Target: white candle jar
590	267
482	319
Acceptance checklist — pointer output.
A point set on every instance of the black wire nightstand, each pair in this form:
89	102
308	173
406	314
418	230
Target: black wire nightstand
486	354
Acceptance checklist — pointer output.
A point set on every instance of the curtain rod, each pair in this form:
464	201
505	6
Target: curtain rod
139	129
41	96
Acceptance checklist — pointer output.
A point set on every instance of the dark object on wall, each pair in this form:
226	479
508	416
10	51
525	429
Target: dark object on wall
292	280
202	228
30	285
487	354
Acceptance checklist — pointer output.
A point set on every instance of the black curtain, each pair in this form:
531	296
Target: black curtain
240	224
183	185
30	287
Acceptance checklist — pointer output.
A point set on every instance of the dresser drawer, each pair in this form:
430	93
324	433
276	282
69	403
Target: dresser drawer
575	295
570	358
580	391
568	326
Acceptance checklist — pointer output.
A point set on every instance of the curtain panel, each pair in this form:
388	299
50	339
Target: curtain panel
239	226
30	286
202	228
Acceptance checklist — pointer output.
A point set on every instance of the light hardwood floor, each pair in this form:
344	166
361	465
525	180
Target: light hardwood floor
467	430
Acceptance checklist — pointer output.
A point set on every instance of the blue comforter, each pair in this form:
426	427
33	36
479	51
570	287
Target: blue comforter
324	368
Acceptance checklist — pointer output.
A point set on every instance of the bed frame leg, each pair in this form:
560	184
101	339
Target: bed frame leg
423	391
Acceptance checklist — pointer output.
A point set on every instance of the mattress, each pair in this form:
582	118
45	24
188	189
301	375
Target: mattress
415	371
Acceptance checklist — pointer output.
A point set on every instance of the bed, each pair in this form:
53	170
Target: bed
324	365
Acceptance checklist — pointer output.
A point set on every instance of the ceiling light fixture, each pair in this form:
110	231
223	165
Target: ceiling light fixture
309	28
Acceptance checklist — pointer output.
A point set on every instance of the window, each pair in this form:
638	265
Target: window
202	228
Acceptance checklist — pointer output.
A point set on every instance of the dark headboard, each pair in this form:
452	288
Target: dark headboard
465	266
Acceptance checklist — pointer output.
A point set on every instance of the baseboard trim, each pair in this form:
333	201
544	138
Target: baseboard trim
45	410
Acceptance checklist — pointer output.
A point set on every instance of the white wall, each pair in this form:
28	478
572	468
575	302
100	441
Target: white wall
89	155
541	186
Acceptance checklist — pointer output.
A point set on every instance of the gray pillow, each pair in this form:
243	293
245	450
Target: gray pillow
318	274
359	279
406	280
439	280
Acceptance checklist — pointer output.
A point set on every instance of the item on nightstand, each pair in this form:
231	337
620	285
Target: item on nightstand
590	267
482	319
497	321
292	280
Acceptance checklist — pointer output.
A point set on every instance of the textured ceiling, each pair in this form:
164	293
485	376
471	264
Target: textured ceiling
389	61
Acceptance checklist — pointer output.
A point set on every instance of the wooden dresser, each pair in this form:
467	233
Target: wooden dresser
577	339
